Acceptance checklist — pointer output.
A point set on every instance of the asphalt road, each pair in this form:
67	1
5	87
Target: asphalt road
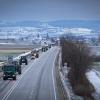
37	81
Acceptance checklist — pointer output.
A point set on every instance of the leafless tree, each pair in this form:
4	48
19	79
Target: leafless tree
77	55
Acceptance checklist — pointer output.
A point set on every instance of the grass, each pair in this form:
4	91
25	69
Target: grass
13	51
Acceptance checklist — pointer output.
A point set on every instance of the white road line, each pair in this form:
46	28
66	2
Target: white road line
15	85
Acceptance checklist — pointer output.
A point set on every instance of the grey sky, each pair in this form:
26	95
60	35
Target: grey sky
47	10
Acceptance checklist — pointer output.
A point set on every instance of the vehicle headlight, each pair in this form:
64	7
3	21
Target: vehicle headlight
13	75
4	75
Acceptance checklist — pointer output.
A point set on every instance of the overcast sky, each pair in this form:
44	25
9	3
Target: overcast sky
47	10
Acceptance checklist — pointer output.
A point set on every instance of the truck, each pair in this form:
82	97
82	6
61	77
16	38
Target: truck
9	71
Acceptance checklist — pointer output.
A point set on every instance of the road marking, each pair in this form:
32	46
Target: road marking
15	85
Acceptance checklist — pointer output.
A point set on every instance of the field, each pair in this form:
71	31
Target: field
13	51
4	53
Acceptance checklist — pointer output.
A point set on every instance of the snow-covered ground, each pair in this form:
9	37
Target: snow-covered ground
94	77
68	86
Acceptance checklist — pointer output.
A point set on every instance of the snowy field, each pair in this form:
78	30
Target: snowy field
94	77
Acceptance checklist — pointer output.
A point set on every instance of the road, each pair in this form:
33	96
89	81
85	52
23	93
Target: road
37	81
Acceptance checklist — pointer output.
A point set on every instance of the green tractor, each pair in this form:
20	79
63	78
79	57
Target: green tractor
9	71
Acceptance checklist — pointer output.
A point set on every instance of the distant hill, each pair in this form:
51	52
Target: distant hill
92	24
20	23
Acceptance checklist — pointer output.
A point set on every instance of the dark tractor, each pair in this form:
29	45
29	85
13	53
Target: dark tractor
22	60
43	49
32	55
49	46
9	71
37	54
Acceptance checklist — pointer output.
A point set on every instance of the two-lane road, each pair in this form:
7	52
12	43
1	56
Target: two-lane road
37	81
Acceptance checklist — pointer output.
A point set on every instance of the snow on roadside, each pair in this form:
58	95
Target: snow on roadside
94	78
71	93
24	54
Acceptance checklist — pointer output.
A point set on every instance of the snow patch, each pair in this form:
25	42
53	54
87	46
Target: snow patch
78	31
94	79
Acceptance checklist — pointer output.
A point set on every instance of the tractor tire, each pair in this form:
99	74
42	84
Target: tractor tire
4	78
19	72
14	78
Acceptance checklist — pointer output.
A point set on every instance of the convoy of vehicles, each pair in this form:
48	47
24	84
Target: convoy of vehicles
11	68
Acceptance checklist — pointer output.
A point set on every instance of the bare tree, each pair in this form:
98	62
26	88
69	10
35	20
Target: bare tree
77	55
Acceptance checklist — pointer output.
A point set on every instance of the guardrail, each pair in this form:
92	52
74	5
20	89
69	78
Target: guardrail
61	85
